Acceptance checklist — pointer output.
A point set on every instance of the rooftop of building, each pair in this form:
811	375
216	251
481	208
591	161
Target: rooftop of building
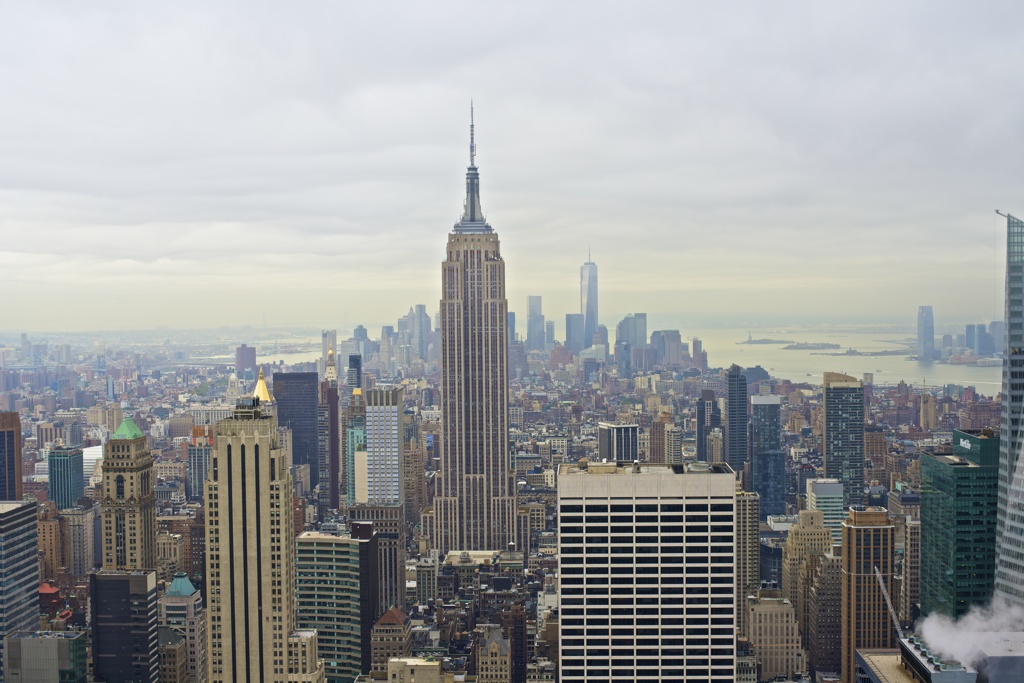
8	505
180	586
63	635
127	431
393	617
915	649
584	466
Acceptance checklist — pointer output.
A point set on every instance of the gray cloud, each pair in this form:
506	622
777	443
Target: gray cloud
750	158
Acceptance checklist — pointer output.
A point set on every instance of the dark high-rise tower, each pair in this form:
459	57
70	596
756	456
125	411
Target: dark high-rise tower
1010	525
843	434
588	300
10	457
767	458
735	419
297	396
476	507
925	333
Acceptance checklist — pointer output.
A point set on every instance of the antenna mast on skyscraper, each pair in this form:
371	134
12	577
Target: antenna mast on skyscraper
472	138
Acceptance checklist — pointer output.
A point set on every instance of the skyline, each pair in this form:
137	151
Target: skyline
332	178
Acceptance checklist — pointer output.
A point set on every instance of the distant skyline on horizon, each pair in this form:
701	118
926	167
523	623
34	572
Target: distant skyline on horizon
718	161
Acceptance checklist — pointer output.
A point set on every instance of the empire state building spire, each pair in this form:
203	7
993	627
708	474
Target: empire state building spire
475	508
472	215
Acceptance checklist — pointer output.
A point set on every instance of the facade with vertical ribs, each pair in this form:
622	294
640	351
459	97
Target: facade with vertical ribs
476	506
646	572
250	559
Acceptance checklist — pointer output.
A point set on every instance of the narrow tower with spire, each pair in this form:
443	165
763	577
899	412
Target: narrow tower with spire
476	506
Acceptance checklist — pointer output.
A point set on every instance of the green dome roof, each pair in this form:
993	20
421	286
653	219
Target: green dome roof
180	586
128	430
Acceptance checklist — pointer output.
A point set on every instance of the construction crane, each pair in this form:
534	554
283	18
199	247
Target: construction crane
888	603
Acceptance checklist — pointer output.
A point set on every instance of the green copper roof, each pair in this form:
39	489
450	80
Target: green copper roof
180	586
128	430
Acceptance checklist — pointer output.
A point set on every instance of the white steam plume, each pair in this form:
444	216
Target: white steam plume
963	639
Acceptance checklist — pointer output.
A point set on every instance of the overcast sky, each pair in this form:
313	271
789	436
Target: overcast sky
201	164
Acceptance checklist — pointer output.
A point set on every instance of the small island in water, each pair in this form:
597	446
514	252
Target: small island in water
750	340
811	346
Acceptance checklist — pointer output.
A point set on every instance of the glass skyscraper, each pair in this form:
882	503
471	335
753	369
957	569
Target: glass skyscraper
67	481
1009	582
925	333
958	524
588	300
767	457
843	398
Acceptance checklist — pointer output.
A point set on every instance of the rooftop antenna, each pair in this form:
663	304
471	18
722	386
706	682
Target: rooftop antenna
472	137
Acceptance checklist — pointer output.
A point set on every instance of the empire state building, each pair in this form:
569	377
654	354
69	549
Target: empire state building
476	508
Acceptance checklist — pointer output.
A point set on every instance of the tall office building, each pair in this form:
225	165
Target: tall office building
328	342
388	520
250	556
843	434
124	626
181	608
925	333
46	656
296	397
476	506
774	636
198	454
328	435
354	450
129	501
67	481
511	317
10	457
748	553
632	330
868	543
19	565
245	359
959	499
807	541
823	615
767	455
354	374
735	419
80	524
827	496
575	340
384	417
671	611
335	583
1009	584
535	333
618	442
588	300
709	417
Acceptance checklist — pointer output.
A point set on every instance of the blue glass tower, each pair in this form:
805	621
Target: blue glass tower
67	481
767	456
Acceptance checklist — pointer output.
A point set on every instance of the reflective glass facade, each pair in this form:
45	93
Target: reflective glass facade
1010	529
958	524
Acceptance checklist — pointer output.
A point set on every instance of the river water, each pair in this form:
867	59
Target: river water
801	365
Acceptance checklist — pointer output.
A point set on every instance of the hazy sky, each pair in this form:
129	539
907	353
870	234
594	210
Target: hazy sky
200	164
